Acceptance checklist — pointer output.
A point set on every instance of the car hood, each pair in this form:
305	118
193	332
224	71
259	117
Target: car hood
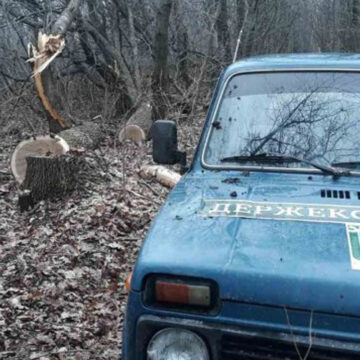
299	263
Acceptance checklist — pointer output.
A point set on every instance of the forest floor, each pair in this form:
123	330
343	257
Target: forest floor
63	264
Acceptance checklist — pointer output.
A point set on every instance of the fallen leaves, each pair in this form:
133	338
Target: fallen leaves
63	264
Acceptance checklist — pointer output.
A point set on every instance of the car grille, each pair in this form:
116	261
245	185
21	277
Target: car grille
256	348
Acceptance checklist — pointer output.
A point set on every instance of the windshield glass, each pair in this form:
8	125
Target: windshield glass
310	115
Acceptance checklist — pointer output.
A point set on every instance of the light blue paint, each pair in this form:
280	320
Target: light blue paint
261	266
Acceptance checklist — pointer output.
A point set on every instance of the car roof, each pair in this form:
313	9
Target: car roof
321	61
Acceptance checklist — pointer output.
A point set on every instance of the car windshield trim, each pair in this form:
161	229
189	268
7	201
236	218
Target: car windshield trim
262	168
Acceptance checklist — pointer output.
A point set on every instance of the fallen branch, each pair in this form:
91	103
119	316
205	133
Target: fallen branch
149	187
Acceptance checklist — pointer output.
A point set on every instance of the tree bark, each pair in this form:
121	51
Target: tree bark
46	84
39	146
66	18
160	51
87	136
182	40
134	46
223	31
355	24
111	53
49	177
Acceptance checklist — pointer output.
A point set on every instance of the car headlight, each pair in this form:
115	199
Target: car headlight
173	344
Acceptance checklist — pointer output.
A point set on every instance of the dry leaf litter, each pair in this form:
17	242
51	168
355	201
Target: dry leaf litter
63	264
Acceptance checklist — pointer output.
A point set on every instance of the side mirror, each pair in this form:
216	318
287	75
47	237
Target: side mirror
165	144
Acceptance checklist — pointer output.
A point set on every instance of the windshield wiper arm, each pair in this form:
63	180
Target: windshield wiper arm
347	164
274	158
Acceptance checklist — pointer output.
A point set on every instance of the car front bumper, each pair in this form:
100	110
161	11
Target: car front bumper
231	342
248	331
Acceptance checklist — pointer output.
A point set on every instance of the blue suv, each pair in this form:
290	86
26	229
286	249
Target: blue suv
256	251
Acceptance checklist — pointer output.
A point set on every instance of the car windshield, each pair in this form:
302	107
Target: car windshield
308	115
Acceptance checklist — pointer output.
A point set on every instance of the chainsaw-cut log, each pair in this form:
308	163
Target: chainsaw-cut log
161	174
132	132
49	177
40	146
88	136
138	126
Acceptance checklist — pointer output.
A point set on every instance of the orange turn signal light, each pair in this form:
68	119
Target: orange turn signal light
182	293
128	282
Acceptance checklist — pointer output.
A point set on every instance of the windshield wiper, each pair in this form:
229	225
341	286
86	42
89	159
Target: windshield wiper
281	158
354	165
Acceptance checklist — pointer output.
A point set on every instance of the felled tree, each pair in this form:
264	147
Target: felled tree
49	46
43	166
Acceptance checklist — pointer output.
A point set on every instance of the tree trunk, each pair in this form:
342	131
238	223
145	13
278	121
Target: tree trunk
39	146
45	79
355	25
160	51
66	18
182	40
49	177
134	46
223	31
87	136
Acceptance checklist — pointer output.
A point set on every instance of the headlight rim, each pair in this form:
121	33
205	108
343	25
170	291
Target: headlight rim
179	329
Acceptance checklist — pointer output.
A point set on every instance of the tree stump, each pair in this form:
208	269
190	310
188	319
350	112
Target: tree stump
40	146
48	167
49	177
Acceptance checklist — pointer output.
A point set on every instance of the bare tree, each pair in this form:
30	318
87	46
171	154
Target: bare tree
160	53
222	29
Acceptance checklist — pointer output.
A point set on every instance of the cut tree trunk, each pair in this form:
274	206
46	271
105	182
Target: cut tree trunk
161	174
138	126
39	146
49	177
49	167
132	132
88	136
